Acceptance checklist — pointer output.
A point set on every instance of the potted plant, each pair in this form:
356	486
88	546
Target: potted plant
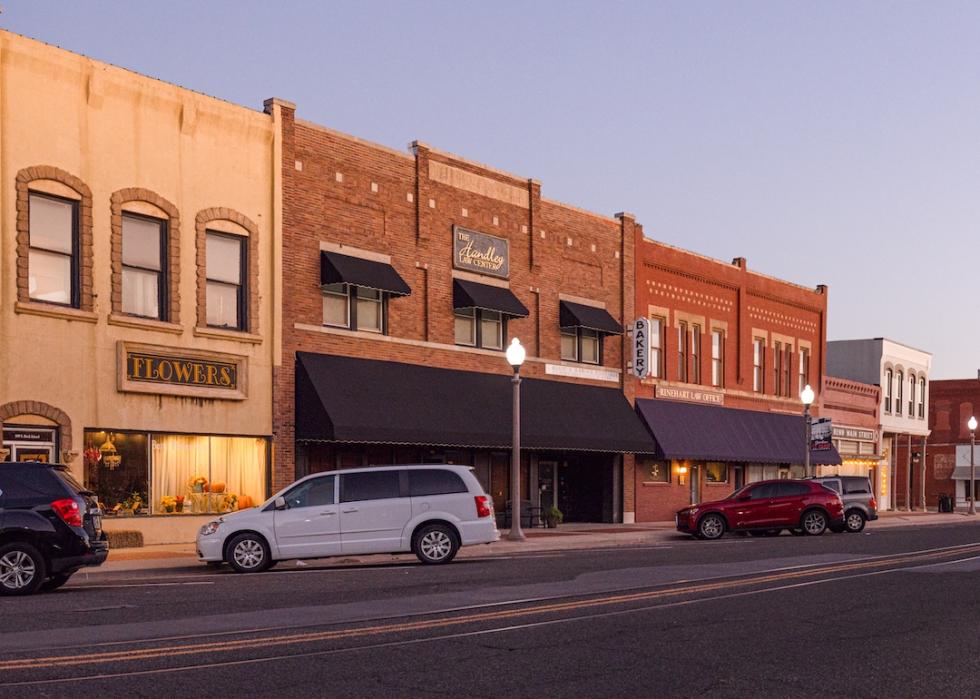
552	517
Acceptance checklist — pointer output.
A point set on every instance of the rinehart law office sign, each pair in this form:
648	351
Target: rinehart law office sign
182	372
481	253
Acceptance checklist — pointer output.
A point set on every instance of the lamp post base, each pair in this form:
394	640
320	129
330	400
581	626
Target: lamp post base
516	535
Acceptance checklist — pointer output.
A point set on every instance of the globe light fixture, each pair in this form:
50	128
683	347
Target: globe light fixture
806	396
515	354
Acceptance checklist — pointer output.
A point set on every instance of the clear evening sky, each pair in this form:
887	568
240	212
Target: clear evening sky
826	142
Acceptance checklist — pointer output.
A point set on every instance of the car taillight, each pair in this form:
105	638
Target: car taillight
68	510
484	507
873	503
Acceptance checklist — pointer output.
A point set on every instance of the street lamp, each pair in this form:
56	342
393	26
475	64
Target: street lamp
515	357
972	424
807	396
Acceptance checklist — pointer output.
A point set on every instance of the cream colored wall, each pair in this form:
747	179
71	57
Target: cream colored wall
115	129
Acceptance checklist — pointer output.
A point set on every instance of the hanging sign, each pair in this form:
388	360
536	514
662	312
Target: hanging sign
641	347
821	432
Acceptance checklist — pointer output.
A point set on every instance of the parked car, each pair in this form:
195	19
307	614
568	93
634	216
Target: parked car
50	526
429	510
765	506
860	505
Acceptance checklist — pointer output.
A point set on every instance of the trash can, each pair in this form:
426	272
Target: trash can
945	503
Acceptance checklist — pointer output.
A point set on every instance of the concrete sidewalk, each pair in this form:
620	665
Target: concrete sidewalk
565	537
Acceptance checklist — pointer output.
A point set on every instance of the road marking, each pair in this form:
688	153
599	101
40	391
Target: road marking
424	625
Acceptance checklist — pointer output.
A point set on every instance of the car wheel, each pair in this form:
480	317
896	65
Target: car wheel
814	522
54	582
435	543
711	527
22	569
855	521
248	553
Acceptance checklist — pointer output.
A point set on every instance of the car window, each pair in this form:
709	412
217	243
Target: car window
369	485
29	484
434	482
312	493
832	485
73	484
762	492
787	490
857	485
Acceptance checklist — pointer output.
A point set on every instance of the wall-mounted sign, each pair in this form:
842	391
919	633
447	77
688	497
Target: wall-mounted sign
821	431
28	434
690	395
855	433
481	253
641	347
581	372
184	372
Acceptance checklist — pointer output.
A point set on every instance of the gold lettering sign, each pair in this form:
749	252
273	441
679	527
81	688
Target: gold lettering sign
181	371
481	253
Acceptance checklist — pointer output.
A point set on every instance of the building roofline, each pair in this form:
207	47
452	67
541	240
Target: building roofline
882	339
356	139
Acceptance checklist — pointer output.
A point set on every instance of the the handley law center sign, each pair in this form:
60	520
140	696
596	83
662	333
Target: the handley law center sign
481	253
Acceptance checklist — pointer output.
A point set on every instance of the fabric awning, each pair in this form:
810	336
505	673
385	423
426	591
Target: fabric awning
577	315
467	294
962	473
711	433
345	399
344	269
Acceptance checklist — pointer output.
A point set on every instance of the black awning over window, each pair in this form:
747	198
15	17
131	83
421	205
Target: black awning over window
467	294
711	433
344	269
577	315
344	399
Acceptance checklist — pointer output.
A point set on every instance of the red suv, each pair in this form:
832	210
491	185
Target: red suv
769	506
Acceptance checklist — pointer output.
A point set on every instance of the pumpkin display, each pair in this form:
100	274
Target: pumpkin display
245	502
217	487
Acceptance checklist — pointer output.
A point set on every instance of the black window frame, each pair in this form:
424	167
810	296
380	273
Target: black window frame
478	328
243	276
350	291
163	278
600	344
75	293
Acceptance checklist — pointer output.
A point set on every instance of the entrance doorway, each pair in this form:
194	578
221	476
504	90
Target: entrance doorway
695	476
31	443
585	487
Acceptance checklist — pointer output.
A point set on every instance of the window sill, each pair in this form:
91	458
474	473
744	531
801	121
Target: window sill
52	311
655	484
235	335
145	323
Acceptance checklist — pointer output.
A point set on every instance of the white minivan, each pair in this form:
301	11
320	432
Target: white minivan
429	510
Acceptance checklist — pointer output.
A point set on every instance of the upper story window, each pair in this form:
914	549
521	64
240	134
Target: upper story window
682	351
696	353
888	390
227	280
581	345
787	369
583	329
922	397
717	358
758	363
354	307
804	369
144	267
53	261
912	385
777	357
657	347
899	384
478	327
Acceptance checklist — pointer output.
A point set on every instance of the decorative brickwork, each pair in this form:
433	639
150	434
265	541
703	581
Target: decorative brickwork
201	223
35	407
23	181
117	201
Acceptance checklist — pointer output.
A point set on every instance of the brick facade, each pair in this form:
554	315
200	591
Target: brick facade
952	403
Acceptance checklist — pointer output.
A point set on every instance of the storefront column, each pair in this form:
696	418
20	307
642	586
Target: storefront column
922	472
629	488
617	488
892	469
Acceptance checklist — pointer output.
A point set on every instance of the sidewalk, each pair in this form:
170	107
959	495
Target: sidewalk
566	537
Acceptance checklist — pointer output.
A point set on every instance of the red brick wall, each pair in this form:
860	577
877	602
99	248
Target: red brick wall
380	202
951	404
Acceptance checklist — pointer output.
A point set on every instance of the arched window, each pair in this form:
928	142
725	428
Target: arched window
912	384
227	254
888	390
900	384
922	397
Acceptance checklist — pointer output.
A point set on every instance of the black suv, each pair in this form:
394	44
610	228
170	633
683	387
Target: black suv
50	526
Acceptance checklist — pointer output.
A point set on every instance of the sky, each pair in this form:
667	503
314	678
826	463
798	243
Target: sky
826	142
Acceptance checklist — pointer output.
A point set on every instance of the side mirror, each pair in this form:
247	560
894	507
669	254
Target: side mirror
281	503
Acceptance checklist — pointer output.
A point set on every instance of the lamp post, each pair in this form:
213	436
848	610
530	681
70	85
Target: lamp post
972	424
807	396
515	357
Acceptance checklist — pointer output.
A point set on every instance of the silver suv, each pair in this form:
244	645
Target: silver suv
859	500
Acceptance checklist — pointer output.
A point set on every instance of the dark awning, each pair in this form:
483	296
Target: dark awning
467	294
710	433
343	399
344	269
577	315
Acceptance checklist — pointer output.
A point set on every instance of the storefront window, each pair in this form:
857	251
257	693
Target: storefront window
656	471
716	472
135	473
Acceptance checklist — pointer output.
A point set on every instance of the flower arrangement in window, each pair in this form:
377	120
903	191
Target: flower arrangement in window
198	484
169	503
92	455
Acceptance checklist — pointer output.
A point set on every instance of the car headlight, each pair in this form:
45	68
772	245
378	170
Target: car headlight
210	528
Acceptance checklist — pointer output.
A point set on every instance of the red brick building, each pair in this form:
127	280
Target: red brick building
404	277
855	411
952	403
730	351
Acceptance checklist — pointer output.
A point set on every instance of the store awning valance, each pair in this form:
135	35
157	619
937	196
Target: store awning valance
712	433
467	294
962	473
577	315
345	399
345	269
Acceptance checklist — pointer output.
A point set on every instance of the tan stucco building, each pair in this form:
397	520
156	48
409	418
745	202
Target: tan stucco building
136	286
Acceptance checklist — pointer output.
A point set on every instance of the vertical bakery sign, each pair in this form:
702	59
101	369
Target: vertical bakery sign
641	347
481	253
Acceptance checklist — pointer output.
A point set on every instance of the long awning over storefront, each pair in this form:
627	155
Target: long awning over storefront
711	433
344	399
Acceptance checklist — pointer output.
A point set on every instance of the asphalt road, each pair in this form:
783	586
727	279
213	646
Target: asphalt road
887	613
